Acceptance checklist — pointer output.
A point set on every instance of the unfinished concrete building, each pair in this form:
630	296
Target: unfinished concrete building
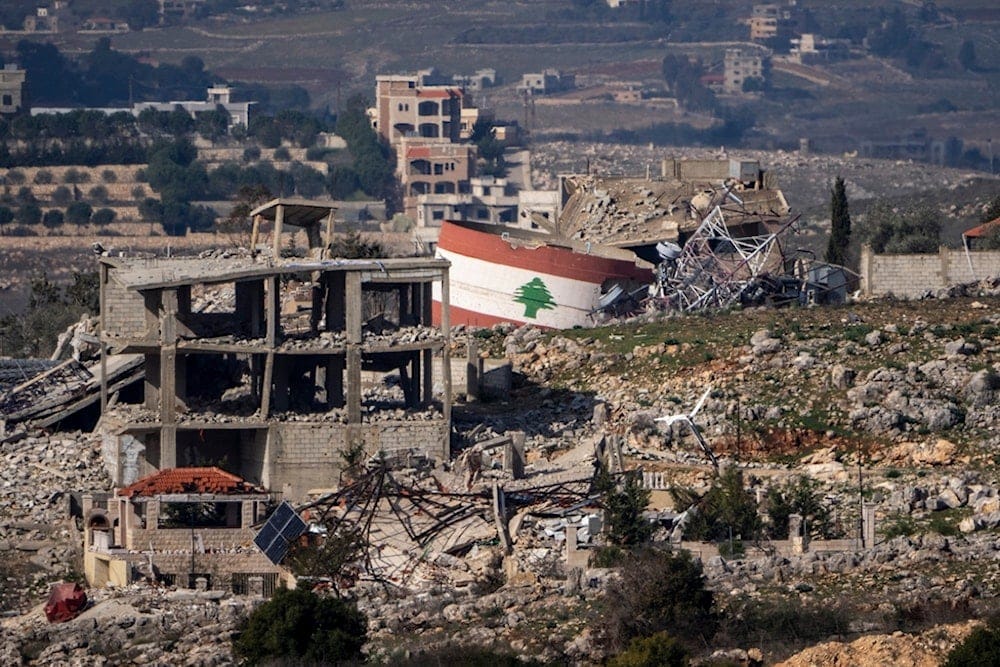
272	368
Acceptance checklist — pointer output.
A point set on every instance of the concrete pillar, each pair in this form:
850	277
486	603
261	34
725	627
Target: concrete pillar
354	385
279	219
168	446
473	368
868	526
152	514
797	535
247	514
513	455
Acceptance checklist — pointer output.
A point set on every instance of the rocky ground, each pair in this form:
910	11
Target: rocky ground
905	392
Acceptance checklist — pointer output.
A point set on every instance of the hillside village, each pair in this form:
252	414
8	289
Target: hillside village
648	359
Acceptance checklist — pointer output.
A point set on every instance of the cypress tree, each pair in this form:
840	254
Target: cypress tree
840	225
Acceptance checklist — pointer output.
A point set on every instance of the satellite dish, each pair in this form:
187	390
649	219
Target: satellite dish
668	251
611	297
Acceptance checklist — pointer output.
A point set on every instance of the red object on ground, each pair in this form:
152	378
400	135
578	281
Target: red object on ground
66	601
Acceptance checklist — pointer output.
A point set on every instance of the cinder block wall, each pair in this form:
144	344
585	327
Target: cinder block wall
308	455
124	311
913	275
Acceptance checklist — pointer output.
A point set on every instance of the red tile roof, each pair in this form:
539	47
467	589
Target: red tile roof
190	480
982	230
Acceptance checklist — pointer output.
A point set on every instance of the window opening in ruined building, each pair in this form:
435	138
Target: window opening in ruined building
199	515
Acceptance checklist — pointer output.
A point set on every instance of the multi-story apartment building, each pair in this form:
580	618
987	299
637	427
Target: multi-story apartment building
405	107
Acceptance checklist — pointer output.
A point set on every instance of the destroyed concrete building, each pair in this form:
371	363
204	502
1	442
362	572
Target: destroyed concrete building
639	212
270	367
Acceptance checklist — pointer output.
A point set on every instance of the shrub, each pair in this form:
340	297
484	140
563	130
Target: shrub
659	591
53	218
78	213
317	153
29	214
6	215
109	176
103	216
98	193
804	497
138	193
658	650
467	656
15	177
251	154
301	626
62	196
749	620
76	176
982	647
281	153
25	195
727	510
624	503
43	177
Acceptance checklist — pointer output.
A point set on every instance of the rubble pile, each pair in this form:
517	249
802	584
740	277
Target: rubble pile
37	534
137	625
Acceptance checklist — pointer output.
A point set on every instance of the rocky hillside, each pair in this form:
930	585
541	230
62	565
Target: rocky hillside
903	393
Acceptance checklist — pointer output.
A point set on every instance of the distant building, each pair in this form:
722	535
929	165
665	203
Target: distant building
104	25
43	20
738	66
431	167
483	78
810	48
546	82
768	21
11	89
217	97
173	10
405	107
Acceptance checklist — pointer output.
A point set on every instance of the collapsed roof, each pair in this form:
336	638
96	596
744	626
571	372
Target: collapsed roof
630	212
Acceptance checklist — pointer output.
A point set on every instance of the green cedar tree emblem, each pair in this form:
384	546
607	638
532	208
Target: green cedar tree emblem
535	296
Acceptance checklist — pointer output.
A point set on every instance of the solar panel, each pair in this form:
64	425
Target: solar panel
282	528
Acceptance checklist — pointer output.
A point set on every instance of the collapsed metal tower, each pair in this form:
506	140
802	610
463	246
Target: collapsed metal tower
715	268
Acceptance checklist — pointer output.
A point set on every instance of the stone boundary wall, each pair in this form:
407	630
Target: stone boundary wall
910	276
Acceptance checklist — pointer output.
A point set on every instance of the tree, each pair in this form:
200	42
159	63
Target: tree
658	650
78	213
53	218
103	216
967	55
62	196
29	214
726	510
801	497
535	296
300	626
624	504
659	591
840	225
912	230
981	647
6	215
